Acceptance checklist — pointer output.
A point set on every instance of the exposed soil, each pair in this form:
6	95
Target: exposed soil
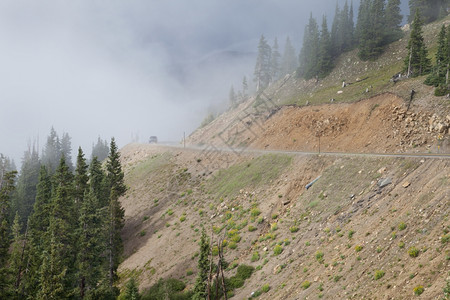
346	198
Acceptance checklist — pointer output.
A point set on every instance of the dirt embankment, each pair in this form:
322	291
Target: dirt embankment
360	227
379	124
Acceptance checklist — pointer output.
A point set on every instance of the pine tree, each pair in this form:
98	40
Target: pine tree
289	61
61	234
244	88
24	197
98	182
100	149
115	177
53	272
308	56
81	177
203	268
262	66
438	75
275	62
232	97
17	261
430	9
393	21
91	240
131	290
417	62
325	58
336	42
38	224
66	150
6	188
52	151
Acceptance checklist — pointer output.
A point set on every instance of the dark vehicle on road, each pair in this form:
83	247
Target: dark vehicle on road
153	140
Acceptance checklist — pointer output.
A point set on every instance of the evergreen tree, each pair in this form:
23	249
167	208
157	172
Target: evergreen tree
100	149
17	261
53	272
371	29
6	188
115	177
393	21
232	97
91	240
351	27
430	9
51	154
98	182
325	58
417	62
25	195
38	225
262	66
81	177
336	41
308	56
275	61
66	150
289	61
244	88
58	267
132	290
438	76
203	268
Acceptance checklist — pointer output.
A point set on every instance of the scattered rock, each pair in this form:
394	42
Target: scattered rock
384	182
406	184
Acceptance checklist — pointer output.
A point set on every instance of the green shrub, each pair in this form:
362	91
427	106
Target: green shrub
378	274
255	212
255	256
277	250
236	238
445	239
183	218
413	251
232	245
418	290
401	245
244	271
265	288
350	234
251	228
189	272
142	233
170	287
358	248
273	226
215	251
305	284
402	226
319	256
293	229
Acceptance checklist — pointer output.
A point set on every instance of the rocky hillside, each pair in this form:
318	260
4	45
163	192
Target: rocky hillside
370	227
364	218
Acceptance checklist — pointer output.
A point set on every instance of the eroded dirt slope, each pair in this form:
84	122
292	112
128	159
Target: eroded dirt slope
360	228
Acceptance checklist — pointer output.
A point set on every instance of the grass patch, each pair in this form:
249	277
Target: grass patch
258	172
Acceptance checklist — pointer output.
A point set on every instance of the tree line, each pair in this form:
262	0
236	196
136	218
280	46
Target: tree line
65	242
377	25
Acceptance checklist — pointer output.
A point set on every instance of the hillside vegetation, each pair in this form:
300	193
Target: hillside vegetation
369	227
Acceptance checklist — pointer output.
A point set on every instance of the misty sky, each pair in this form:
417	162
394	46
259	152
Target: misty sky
118	68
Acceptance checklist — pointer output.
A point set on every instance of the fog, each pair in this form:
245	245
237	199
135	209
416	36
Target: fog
126	68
